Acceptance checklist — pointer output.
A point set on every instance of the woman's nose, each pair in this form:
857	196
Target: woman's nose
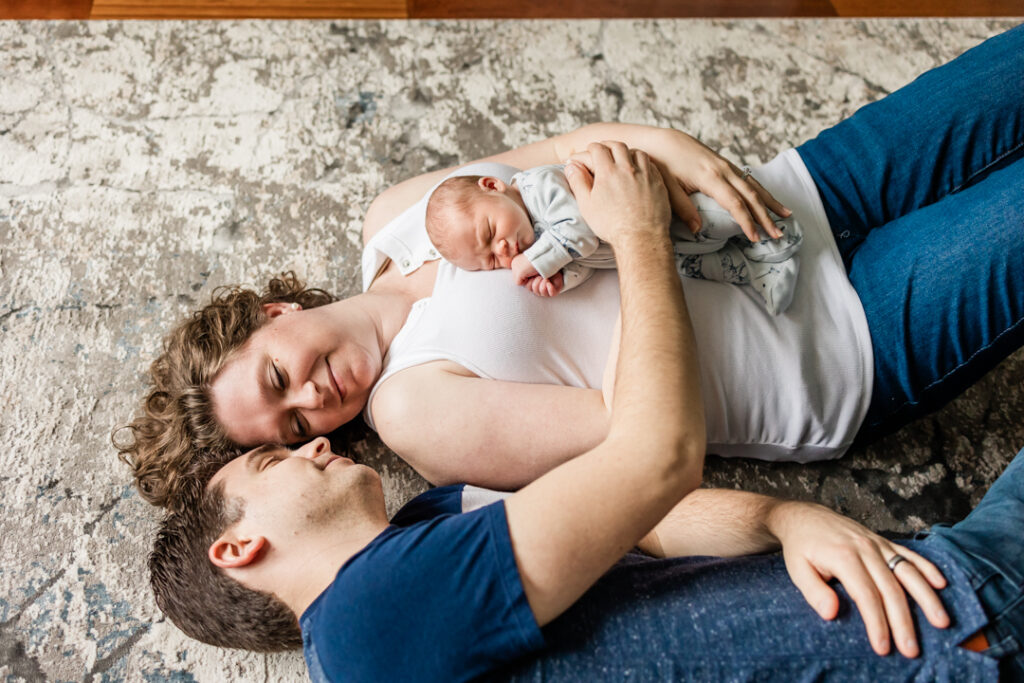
309	397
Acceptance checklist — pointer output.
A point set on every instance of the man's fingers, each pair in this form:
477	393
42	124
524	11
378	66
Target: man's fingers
929	570
864	593
921	584
818	594
894	600
642	162
619	151
600	155
582	158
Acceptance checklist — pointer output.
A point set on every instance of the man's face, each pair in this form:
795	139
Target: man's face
287	493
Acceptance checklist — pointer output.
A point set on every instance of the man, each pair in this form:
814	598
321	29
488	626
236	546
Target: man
532	584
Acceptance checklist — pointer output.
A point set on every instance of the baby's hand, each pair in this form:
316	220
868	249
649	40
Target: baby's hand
546	287
522	269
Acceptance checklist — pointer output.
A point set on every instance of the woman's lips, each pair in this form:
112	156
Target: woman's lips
338	386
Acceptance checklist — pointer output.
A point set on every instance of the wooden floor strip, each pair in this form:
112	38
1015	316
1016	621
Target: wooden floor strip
248	9
498	9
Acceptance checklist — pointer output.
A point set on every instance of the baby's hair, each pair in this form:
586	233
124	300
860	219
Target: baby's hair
449	198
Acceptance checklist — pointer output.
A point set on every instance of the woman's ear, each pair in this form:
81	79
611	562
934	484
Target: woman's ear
491	183
231	552
279	308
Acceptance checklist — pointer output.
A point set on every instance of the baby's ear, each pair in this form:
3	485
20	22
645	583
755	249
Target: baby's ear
491	183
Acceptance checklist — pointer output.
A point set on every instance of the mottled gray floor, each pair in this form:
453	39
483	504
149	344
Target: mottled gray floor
143	164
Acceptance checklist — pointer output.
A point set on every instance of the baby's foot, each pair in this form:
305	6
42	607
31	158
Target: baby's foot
775	282
778	250
716	224
725	265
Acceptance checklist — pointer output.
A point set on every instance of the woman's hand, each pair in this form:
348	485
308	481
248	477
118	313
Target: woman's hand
819	545
687	166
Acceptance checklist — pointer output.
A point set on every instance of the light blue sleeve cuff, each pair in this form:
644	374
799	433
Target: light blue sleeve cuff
547	255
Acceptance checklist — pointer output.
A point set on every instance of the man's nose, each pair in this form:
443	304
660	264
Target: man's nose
315	448
309	397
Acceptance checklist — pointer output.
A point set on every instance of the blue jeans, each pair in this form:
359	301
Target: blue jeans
989	546
924	191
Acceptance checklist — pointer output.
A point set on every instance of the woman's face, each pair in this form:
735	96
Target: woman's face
303	374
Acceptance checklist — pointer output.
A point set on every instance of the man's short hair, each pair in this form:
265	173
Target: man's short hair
197	596
454	195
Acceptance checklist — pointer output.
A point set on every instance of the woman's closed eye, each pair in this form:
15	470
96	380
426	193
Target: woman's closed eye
277	379
298	426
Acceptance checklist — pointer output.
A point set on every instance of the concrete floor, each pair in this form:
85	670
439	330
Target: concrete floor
143	164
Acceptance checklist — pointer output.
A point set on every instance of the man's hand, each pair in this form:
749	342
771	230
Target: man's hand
522	269
619	191
819	545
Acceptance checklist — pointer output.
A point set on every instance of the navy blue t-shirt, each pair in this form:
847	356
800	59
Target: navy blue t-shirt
400	608
437	597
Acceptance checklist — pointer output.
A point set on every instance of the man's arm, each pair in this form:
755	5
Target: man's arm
818	545
572	524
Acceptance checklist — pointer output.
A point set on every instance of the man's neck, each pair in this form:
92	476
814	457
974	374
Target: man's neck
310	573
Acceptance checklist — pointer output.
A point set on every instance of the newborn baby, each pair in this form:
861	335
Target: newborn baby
533	226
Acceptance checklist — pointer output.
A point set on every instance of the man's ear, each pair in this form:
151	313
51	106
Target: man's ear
231	552
491	183
280	308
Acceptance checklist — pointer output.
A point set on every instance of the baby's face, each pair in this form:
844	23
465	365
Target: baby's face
490	232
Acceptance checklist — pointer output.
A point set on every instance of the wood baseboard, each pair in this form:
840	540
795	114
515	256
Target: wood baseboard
248	9
497	9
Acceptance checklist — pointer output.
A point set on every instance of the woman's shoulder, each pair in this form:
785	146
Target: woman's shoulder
397	410
397	394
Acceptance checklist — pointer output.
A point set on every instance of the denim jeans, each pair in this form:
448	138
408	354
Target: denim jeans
989	546
924	190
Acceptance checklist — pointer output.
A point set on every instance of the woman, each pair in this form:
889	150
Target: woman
919	192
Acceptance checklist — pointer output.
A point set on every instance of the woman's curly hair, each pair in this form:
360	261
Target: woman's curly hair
177	435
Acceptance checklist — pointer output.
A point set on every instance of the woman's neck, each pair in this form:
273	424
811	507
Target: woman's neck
392	295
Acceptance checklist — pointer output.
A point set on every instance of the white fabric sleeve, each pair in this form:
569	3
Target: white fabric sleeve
547	255
574	275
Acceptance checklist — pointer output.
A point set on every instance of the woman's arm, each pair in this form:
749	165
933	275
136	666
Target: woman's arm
818	545
452	426
687	166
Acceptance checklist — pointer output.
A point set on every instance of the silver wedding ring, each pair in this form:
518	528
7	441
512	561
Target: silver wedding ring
893	561
746	172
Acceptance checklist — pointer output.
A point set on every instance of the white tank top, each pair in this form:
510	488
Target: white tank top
788	387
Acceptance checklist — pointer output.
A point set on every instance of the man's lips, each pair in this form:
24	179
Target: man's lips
338	386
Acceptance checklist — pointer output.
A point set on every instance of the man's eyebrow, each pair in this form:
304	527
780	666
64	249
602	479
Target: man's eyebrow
253	456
